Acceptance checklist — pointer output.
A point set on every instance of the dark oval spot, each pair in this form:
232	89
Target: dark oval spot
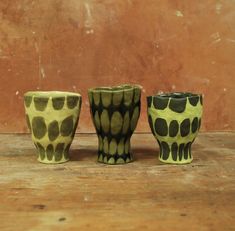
28	121
201	99
161	127
72	101
39	127
199	123
151	123
174	151
185	127
160	149
193	100
165	150
75	127
173	128
40	103
149	101
53	130
160	103
66	151
189	149
50	152
186	151
181	149
177	105
66	128
194	125
59	151
41	151
58	102
27	100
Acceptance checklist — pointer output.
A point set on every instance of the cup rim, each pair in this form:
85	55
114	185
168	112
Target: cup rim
48	94
176	95
118	88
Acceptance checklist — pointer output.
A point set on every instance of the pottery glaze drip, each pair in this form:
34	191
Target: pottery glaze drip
175	119
115	112
52	117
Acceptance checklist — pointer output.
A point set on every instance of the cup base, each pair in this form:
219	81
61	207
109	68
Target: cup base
46	161
115	160
178	162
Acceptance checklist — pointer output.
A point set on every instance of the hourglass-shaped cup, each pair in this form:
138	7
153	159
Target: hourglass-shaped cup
175	119
115	112
52	117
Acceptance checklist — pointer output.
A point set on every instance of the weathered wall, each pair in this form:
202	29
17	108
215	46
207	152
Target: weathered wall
164	45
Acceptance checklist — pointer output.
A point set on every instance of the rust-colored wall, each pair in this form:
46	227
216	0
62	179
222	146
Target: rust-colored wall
164	45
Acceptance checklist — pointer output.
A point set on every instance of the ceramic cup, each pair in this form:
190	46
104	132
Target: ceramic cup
52	117
175	119
115	112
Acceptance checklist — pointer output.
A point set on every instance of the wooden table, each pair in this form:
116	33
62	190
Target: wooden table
144	195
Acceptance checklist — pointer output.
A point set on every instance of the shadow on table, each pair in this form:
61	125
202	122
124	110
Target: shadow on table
82	154
91	154
145	153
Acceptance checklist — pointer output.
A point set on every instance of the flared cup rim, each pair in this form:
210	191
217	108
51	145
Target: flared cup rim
176	95
48	94
116	89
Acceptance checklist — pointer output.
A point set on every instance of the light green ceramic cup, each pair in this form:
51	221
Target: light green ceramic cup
175	120
52	117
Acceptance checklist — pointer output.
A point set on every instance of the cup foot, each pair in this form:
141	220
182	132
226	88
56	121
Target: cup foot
170	161
115	159
46	161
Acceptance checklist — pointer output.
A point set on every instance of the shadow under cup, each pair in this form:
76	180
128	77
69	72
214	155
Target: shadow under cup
115	112
52	117
175	119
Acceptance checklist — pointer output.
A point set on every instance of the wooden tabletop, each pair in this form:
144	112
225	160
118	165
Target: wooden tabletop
144	195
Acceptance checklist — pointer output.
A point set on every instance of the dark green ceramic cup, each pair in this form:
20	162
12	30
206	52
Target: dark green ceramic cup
115	112
175	119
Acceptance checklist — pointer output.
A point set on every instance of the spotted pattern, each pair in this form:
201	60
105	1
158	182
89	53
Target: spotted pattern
52	121
53	130
66	127
39	127
72	102
27	101
175	122
195	125
40	103
160	103
115	115
161	127
185	127
173	128
193	100
58	103
177	105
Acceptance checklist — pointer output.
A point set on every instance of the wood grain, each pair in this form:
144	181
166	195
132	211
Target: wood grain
144	195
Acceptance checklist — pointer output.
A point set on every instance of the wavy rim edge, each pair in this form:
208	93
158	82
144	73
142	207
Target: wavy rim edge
118	88
176	95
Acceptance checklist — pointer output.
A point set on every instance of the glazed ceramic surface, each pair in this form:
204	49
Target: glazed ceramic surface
175	119
115	112
52	118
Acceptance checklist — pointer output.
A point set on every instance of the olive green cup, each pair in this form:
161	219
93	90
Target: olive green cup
175	119
115	112
52	117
